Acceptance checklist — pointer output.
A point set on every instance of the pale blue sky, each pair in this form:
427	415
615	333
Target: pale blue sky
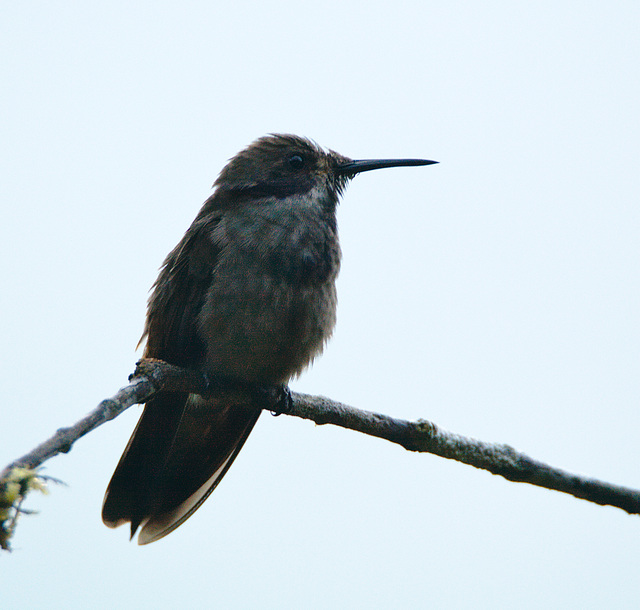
497	293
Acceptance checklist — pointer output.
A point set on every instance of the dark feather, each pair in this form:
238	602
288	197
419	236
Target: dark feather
178	295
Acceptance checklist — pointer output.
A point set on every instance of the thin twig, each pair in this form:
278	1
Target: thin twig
422	436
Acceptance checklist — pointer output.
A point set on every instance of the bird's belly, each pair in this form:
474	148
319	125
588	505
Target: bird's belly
262	329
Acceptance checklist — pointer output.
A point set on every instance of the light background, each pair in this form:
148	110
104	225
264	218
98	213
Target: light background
497	294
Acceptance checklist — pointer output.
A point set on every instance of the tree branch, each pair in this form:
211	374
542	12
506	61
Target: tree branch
151	376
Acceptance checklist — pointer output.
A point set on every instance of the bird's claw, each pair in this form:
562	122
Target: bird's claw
284	403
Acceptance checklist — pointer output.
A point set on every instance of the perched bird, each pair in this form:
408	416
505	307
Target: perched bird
249	295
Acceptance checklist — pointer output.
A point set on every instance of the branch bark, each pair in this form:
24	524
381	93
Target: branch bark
422	436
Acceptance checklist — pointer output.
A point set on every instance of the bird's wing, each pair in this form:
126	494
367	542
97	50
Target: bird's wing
183	444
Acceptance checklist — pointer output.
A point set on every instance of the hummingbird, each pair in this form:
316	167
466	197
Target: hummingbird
248	295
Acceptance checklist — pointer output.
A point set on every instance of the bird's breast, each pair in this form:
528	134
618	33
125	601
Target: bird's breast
272	303
264	330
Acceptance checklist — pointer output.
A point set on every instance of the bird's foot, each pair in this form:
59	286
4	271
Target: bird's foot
146	367
284	402
276	398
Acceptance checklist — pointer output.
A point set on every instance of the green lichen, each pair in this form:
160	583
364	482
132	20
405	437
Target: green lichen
13	489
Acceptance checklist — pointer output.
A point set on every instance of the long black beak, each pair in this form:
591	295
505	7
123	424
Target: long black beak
364	165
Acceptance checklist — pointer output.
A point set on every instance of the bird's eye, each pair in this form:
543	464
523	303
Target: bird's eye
296	161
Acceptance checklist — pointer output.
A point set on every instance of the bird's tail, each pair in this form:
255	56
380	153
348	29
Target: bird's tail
181	448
